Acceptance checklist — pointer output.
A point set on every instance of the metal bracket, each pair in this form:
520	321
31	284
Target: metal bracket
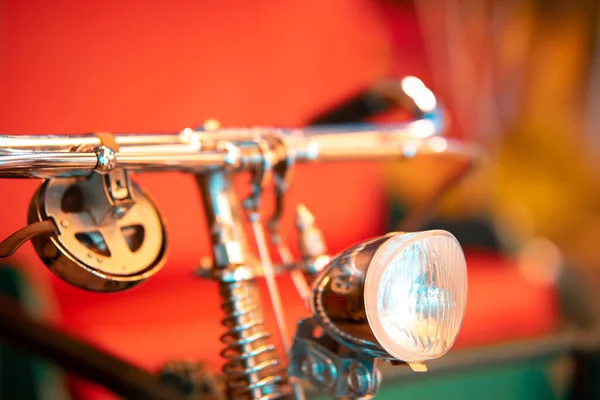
282	173
260	176
311	242
330	367
277	158
109	196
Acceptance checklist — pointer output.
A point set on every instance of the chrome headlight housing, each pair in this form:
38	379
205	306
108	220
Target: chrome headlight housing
401	296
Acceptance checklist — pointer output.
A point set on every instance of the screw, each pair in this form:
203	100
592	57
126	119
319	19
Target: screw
358	380
107	159
119	211
65	223
341	284
318	371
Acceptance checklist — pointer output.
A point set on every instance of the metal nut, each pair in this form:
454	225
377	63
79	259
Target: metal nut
319	369
358	380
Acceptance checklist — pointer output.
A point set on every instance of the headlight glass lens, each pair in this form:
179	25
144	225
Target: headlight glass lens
415	294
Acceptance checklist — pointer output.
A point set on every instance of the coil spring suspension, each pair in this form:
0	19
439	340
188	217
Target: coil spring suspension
253	367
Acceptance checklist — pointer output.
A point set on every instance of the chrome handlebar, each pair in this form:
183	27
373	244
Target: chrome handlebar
228	149
235	149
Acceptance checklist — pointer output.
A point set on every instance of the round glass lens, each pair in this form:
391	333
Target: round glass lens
415	294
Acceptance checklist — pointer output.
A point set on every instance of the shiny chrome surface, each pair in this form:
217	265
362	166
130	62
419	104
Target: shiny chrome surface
225	219
332	369
400	297
338	300
224	149
206	155
252	369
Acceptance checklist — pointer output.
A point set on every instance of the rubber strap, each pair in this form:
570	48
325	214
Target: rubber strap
9	245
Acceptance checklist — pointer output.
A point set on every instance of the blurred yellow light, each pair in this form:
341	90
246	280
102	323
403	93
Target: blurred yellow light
212	124
540	261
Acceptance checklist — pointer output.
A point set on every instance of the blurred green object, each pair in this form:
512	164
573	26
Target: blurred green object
23	377
522	380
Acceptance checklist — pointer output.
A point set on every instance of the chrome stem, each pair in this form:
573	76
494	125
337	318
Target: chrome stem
253	367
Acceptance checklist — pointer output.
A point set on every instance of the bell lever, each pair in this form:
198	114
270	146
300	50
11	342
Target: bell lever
109	197
118	195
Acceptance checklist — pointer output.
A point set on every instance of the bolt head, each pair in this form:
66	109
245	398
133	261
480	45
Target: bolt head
107	159
358	380
319	370
119	212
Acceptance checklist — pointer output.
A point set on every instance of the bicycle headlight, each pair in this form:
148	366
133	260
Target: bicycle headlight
401	296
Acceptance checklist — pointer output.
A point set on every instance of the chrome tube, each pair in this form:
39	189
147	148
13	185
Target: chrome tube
200	151
237	149
58	163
